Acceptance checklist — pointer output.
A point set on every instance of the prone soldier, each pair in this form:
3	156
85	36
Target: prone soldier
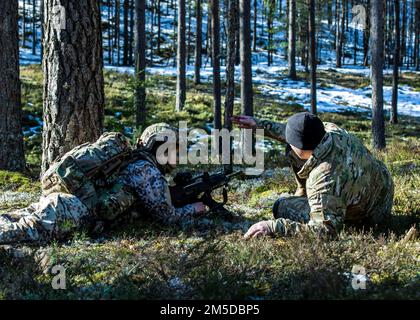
141	182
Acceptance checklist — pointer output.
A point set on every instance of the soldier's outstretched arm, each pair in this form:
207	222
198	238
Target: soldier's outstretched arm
152	191
272	129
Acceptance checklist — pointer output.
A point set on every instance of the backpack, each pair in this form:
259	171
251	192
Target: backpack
89	172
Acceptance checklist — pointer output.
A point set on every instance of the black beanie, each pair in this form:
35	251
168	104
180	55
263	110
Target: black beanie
304	131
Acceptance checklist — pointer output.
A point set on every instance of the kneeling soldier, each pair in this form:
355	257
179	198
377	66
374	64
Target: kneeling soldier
339	180
140	184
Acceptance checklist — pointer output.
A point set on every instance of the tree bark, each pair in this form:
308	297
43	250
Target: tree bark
73	78
198	40
215	33
245	58
159	13
417	36
34	34
181	83
394	114
340	29
312	54
230	64
11	139
140	35
291	50
125	47
254	38
377	64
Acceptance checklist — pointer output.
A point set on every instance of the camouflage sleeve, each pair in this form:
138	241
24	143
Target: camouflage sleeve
272	129
152	191
327	209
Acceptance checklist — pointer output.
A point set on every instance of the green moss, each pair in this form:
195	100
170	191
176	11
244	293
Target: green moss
17	182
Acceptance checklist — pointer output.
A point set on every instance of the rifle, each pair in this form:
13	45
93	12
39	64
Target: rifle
190	189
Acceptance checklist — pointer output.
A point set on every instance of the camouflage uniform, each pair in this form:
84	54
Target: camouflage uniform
57	215
342	181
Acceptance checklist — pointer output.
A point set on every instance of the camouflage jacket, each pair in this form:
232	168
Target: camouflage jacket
152	192
344	182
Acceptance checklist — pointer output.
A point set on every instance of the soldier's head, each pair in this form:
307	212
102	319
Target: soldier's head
304	131
161	140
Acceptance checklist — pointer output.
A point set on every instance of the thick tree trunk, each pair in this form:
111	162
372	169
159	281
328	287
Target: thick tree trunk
245	57
377	64
73	78
198	40
215	33
140	35
181	83
291	50
11	139
230	64
312	54
394	114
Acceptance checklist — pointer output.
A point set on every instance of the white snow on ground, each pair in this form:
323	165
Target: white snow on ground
271	82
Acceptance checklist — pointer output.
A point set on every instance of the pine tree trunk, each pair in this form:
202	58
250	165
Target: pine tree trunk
245	58
198	41
189	34
366	36
254	38
41	13
23	24
215	33
117	30
73	78
394	114
181	83
403	32
130	47
152	32
11	139
230	64
340	36
291	52
237	41
377	64
159	13
125	48
417	36
312	54
140	35
34	39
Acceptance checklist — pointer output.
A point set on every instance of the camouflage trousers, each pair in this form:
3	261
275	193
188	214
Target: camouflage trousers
53	217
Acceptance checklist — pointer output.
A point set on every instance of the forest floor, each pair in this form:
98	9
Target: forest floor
208	258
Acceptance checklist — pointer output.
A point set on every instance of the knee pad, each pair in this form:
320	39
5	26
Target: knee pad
276	206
